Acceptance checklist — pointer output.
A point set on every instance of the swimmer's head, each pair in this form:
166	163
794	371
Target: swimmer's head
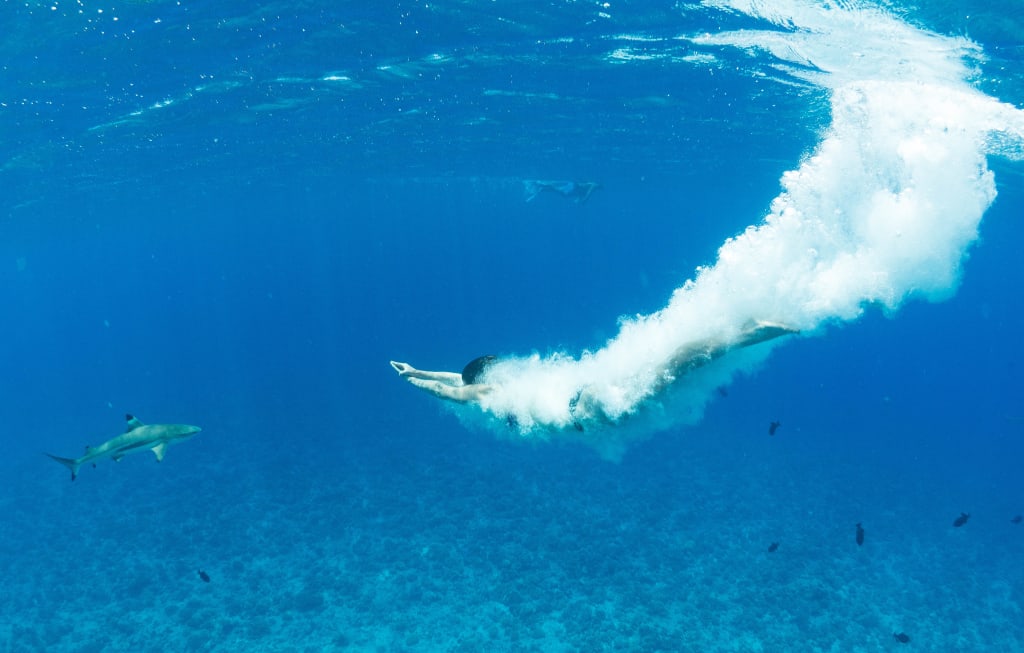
474	368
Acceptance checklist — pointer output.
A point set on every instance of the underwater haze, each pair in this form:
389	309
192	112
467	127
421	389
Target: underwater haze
234	215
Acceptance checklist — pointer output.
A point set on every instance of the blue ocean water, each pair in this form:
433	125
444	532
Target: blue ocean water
234	215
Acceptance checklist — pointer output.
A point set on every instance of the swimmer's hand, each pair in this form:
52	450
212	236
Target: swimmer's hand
403	369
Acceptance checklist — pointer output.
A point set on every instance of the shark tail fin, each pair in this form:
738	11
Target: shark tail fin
70	463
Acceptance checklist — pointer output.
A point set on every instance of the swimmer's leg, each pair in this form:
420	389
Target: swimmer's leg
760	332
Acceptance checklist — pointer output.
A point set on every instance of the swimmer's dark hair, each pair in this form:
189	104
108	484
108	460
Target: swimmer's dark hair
474	368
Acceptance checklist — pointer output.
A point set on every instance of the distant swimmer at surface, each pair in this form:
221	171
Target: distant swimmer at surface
137	437
580	191
475	385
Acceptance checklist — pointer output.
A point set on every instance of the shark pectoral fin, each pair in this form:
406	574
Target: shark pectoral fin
160	450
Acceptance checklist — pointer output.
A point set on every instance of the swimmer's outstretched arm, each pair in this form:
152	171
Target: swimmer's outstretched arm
407	371
462	394
444	385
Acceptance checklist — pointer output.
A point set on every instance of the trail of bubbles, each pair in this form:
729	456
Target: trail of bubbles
884	209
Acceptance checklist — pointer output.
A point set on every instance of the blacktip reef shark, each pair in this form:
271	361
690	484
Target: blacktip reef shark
137	437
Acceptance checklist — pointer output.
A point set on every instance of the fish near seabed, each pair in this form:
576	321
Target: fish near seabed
961	520
860	534
137	437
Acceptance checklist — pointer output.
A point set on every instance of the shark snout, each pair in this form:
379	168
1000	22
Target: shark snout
185	430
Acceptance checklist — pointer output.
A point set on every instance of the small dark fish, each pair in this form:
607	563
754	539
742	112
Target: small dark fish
578	426
860	534
961	520
773	547
205	576
902	638
722	391
773	427
1016	520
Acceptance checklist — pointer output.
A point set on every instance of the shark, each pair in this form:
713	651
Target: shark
137	437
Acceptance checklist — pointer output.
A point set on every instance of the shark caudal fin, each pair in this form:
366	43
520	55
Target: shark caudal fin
70	463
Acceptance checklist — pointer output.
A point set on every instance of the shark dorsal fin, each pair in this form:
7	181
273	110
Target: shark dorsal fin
133	422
